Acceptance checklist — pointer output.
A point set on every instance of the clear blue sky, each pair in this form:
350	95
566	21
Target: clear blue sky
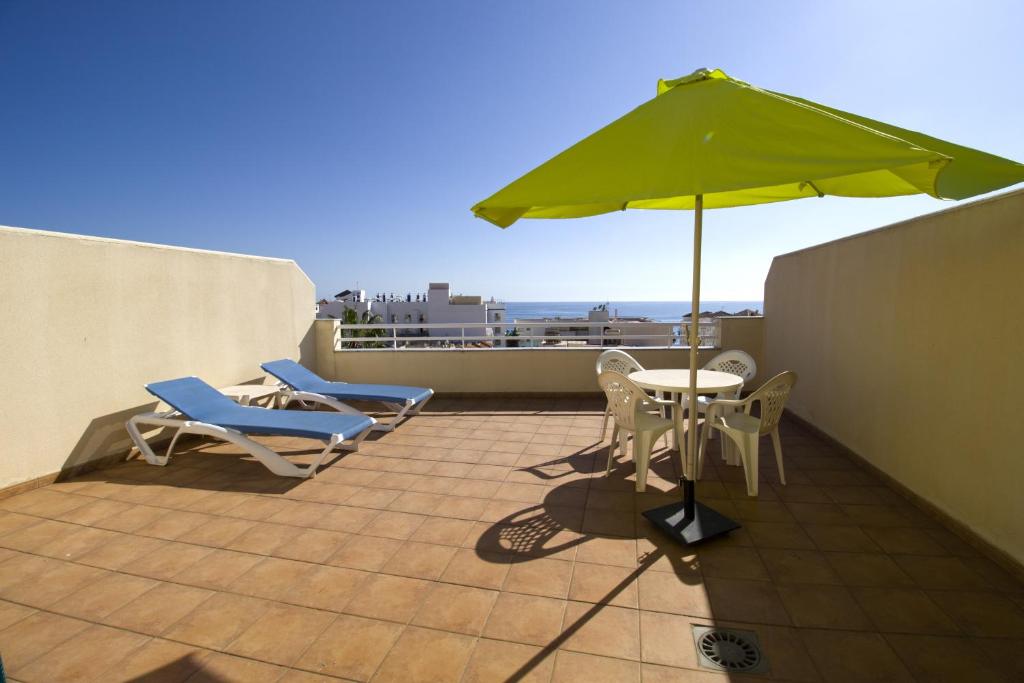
354	137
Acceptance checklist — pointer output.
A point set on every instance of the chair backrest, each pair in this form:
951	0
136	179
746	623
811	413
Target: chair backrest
772	396
614	360
194	398
735	362
293	374
624	397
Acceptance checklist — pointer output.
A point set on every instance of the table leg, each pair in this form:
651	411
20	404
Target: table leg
678	434
677	430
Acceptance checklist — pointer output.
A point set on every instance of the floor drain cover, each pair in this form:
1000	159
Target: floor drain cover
725	649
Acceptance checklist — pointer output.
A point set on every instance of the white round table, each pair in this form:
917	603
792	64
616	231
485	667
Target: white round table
252	394
676	381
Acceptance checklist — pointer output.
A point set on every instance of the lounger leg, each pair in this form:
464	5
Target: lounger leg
305	397
170	448
269	459
400	413
401	409
151	420
422	404
335	441
353	444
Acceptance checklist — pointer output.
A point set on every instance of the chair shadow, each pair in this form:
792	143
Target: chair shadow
550	528
580	462
180	669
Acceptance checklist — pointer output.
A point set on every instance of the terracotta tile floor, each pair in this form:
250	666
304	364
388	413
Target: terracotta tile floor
482	542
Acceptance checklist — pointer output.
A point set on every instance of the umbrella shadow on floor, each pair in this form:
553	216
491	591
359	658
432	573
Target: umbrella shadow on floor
587	460
553	530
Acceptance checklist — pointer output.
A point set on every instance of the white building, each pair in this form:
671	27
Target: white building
437	306
628	331
354	299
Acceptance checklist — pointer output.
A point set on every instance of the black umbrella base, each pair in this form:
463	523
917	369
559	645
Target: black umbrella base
690	524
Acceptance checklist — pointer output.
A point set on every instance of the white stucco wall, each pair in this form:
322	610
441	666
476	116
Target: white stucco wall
907	343
85	322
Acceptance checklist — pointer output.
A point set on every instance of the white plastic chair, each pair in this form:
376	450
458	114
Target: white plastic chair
621	362
735	362
733	419
632	413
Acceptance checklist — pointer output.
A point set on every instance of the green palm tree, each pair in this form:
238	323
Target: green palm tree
350	317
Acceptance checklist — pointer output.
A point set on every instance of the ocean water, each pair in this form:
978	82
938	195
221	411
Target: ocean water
661	311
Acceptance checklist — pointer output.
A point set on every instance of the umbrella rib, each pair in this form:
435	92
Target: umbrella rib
813	187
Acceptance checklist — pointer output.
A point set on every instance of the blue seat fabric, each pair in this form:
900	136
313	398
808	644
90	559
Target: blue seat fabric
197	400
302	379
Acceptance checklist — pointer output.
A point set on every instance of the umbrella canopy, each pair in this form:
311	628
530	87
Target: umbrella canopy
708	140
735	144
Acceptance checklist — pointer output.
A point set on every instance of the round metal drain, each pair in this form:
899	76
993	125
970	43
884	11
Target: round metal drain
729	650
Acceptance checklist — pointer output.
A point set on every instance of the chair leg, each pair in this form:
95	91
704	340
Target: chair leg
611	449
703	446
662	410
712	434
642	458
777	446
729	452
674	442
748	453
604	423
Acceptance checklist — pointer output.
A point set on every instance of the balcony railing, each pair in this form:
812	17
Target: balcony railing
521	335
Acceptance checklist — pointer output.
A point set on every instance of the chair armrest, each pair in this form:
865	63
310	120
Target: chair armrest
716	406
726	402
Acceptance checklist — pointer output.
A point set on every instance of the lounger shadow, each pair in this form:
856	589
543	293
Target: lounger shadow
198	408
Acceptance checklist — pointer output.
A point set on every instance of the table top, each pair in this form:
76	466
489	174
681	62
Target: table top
250	390
677	380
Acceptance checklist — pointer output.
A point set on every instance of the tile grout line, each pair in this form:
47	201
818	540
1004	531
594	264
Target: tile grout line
756	547
405	625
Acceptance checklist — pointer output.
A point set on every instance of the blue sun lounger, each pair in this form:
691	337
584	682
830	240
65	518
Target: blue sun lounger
305	386
198	408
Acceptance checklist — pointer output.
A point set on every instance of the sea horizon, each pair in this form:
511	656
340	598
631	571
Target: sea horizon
660	311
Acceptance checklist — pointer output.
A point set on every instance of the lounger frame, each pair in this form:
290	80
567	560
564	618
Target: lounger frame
408	408
271	460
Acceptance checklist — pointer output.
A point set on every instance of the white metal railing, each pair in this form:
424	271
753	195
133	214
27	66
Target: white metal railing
520	334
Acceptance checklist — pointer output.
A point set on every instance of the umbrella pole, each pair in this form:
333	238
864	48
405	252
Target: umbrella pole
690	459
688	521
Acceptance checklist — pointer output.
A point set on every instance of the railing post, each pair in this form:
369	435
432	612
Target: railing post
394	338
463	330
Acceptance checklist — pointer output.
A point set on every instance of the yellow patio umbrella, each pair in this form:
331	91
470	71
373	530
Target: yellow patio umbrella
710	141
